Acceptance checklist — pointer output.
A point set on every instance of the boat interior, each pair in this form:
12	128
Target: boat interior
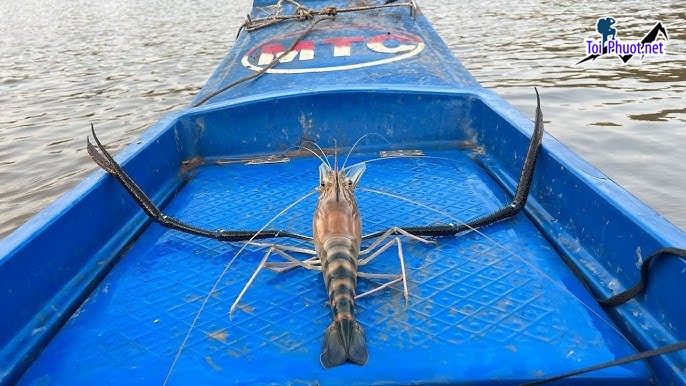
500	304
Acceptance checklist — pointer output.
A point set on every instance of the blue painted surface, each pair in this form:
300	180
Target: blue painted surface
434	66
501	306
497	305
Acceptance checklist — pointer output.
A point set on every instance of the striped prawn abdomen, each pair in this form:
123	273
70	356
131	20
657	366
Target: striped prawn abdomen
344	339
339	268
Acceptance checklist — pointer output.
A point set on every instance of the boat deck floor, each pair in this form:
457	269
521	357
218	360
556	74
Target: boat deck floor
494	305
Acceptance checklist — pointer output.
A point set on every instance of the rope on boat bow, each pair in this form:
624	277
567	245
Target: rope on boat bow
265	68
301	12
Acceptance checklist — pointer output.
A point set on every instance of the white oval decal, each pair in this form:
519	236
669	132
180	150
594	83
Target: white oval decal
343	49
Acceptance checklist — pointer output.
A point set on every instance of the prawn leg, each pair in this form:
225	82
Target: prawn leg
401	257
513	208
107	162
311	264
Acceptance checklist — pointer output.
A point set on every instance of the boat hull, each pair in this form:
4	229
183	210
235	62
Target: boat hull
99	294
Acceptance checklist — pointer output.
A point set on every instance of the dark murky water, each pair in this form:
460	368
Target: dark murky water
122	64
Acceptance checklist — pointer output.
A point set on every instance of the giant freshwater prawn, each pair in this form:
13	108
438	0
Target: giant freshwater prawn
337	238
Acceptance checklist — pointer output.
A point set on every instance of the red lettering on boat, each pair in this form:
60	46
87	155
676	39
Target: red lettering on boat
342	45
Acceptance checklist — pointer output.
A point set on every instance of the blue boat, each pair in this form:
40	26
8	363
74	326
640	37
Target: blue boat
140	286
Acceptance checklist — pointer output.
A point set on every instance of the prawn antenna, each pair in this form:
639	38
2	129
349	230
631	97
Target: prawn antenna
335	170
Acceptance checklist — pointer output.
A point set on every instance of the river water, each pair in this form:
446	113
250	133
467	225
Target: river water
122	64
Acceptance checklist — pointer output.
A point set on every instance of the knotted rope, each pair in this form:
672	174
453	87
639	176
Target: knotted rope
304	13
265	68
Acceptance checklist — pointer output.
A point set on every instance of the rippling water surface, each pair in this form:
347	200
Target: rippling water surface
122	64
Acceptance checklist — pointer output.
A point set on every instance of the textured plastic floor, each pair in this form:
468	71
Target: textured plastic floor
496	306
